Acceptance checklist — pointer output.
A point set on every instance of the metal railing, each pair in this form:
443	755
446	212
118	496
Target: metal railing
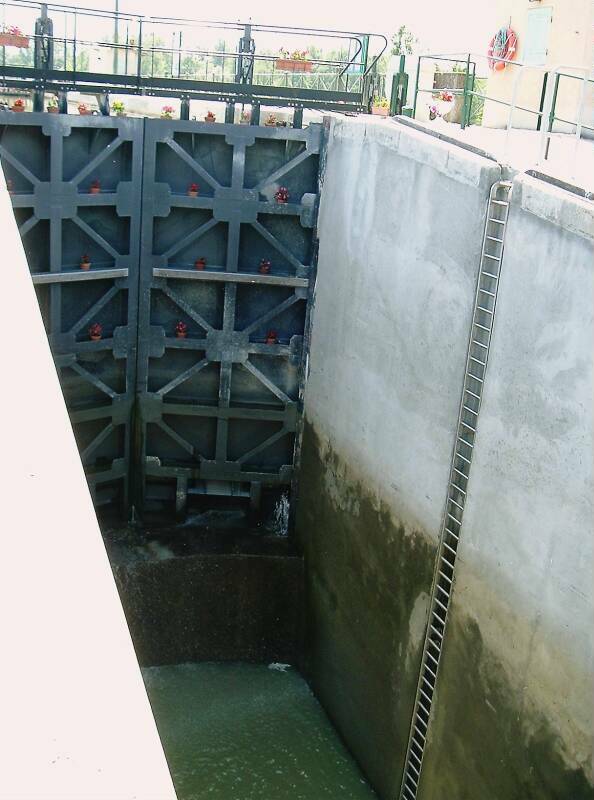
127	53
546	113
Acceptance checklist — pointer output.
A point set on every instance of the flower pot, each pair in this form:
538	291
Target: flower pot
84	113
264	268
293	65
200	263
192	193
18	109
380	111
13	40
94	337
53	110
181	334
210	118
94	190
271	340
86	265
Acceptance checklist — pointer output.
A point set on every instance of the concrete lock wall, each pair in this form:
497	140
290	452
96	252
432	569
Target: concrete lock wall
401	226
513	711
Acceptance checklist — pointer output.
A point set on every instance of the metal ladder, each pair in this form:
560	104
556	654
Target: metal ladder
474	376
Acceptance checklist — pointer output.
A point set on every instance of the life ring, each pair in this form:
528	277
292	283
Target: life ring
503	45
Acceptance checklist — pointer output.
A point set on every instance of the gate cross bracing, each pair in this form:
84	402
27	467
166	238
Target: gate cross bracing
157	416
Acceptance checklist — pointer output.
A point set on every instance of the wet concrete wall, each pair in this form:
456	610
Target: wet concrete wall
513	712
401	225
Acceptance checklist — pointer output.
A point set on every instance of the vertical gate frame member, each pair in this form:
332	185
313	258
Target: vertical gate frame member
234	205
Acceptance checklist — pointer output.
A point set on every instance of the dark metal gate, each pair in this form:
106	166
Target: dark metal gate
219	407
214	411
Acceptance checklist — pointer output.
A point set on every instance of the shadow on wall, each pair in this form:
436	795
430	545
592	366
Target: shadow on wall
368	579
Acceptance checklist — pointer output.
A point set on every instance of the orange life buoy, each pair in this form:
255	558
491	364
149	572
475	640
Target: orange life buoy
502	46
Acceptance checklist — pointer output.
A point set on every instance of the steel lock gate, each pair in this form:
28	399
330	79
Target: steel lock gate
201	293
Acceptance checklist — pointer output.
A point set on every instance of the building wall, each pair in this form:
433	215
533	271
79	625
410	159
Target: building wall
570	43
400	236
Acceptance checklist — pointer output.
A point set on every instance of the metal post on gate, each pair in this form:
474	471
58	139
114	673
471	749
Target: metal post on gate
465	115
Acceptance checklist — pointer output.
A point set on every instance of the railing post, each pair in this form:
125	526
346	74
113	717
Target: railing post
414	113
464	120
543	94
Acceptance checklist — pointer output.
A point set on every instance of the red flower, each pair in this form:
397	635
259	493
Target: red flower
281	195
181	328
95	330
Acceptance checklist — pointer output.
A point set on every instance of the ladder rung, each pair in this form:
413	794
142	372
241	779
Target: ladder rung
419	732
472	394
480	380
412	754
500	203
482	327
486	291
445	544
494	239
443	575
500	221
464	475
458	488
410	792
430	671
493	258
459	455
457	521
412	766
489	274
470	411
486	310
480	344
457	504
445	608
477	361
443	591
435	630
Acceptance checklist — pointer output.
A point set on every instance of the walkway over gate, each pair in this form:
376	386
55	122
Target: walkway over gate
62	48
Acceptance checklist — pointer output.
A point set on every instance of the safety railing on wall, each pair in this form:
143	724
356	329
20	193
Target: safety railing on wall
549	92
93	50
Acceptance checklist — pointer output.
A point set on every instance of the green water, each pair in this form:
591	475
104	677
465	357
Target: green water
248	732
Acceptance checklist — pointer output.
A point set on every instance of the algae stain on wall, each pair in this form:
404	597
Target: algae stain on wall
485	741
369	573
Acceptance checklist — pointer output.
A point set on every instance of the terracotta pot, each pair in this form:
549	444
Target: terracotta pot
181	334
53	110
379	111
95	337
192	193
208	118
86	113
13	40
264	268
86	265
94	190
18	109
200	263
293	65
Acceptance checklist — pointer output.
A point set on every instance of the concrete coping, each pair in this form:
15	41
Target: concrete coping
554	204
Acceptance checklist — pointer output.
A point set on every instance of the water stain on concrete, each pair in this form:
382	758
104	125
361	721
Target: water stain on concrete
368	578
485	741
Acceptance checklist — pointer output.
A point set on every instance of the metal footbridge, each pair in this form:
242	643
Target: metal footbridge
59	49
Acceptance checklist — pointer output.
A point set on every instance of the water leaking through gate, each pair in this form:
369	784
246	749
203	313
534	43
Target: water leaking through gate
157	416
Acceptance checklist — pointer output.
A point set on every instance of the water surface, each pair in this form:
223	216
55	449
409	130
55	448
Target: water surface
248	732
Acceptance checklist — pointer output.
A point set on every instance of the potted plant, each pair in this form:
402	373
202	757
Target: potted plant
181	330
296	61
380	107
95	332
12	36
200	263
9	186
444	102
210	117
118	108
95	187
282	195
270	121
19	104
52	105
433	112
167	112
193	190
85	262
245	118
265	266
272	337
83	109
